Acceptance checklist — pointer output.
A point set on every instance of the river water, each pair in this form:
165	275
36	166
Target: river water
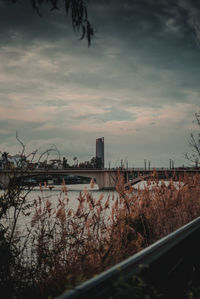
73	192
53	195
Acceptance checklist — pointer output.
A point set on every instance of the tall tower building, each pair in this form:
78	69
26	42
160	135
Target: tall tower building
100	151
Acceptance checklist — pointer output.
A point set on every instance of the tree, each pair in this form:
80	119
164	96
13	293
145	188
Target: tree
5	157
194	143
5	161
64	163
77	10
97	162
75	159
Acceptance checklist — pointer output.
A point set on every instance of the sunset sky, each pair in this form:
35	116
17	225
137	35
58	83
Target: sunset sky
138	85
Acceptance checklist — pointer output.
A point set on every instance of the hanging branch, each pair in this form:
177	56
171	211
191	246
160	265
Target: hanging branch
79	15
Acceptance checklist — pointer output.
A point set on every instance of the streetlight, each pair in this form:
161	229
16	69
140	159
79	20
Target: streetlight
145	164
196	162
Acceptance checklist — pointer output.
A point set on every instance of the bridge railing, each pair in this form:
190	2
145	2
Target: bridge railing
133	169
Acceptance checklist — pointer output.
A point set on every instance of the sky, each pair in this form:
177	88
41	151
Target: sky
137	85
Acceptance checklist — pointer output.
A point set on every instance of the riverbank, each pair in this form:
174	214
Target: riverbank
73	239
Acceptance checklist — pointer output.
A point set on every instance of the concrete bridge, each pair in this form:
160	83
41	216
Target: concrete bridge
105	178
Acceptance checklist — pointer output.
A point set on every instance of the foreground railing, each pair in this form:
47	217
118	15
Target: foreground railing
175	252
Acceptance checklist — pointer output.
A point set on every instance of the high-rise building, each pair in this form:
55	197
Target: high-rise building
100	152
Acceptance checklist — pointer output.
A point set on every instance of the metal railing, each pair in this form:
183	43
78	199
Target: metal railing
99	286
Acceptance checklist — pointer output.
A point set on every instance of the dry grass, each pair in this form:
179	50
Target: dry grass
65	246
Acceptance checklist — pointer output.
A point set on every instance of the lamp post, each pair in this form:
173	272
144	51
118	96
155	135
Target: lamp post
196	163
145	164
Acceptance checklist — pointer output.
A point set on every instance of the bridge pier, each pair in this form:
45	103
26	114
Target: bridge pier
4	180
106	179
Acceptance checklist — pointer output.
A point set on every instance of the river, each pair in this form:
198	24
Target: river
53	195
73	192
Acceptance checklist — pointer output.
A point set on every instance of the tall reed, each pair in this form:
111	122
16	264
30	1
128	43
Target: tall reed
64	247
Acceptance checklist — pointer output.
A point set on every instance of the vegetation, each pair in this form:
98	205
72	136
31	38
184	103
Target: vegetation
77	10
95	162
62	247
194	143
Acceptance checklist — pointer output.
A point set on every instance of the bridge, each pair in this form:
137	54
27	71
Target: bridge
105	178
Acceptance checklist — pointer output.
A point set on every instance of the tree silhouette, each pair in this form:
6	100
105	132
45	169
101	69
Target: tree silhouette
77	10
194	143
97	162
5	156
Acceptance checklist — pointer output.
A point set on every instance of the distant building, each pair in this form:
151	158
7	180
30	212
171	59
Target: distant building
100	150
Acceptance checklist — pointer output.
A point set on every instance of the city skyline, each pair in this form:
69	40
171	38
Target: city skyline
137	85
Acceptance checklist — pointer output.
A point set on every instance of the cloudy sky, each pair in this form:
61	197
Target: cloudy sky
137	85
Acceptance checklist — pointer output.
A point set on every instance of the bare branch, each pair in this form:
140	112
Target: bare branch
22	144
194	143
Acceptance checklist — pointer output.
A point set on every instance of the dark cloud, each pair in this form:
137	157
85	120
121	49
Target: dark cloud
128	18
140	74
20	24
